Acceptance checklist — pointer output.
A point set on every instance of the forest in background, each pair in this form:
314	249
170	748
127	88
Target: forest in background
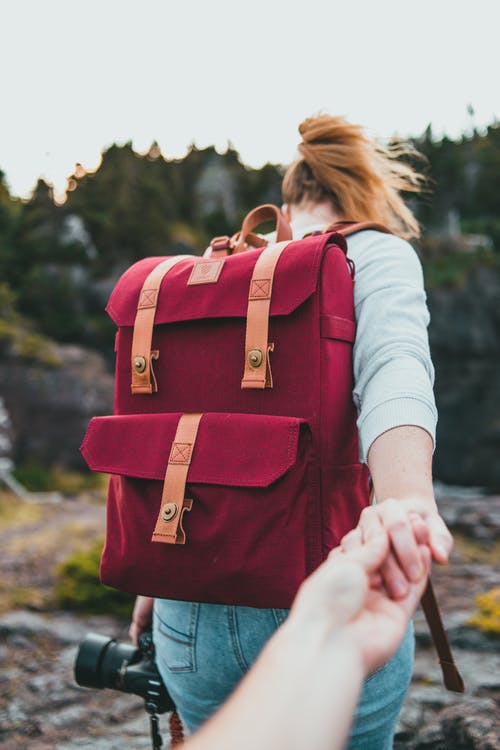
59	262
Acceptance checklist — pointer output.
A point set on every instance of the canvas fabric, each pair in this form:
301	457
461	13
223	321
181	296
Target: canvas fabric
274	478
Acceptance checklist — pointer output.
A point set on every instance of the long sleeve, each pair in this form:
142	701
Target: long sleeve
393	372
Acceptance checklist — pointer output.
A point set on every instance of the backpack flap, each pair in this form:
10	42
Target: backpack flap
224	296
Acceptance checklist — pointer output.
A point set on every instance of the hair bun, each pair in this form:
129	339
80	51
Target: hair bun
362	179
326	129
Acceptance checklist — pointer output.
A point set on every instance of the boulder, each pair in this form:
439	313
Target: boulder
49	406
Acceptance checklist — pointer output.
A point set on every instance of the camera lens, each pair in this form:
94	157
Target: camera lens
100	659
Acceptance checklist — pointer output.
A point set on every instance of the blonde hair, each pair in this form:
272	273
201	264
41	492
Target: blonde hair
360	178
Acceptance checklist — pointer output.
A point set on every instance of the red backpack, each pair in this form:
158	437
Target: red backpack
233	450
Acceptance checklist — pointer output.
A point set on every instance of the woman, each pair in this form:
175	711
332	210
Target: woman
342	175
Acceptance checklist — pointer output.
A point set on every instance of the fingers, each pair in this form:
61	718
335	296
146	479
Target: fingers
394	579
407	531
405	555
404	545
410	602
420	528
367	550
389	540
441	541
352	540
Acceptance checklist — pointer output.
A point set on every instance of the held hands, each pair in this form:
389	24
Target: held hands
408	524
345	602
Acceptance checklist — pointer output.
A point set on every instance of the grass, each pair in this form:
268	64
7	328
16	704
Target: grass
15	512
78	586
36	478
34	539
52	538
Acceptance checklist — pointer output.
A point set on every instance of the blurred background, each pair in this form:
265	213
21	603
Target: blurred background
129	130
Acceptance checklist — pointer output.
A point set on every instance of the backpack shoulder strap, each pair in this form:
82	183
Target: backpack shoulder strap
451	676
345	228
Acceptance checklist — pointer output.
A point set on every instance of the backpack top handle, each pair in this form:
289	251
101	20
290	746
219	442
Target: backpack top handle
239	242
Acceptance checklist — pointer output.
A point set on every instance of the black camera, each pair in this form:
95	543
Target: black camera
102	662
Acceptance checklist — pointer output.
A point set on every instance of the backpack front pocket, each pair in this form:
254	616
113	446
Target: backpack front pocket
251	535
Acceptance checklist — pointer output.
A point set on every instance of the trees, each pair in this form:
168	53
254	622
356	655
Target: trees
62	260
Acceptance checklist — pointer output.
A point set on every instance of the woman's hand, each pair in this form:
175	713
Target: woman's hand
408	523
142	617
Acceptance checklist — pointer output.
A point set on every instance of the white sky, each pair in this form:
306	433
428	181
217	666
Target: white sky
78	75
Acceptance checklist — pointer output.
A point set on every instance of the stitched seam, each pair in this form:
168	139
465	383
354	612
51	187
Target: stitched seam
279	615
176	640
233	630
193	625
178	453
398	398
291	431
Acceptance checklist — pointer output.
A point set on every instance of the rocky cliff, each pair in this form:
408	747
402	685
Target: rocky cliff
465	344
50	405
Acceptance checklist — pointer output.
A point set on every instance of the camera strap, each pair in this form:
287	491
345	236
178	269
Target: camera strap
156	739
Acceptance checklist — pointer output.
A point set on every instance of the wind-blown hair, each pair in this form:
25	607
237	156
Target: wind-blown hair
361	179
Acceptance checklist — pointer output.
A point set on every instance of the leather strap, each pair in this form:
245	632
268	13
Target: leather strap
220	247
143	378
267	212
452	678
345	228
257	373
174	504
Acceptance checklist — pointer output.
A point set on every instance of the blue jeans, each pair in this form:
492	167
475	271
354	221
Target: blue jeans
203	651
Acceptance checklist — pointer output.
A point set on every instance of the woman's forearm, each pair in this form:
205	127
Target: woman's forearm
400	463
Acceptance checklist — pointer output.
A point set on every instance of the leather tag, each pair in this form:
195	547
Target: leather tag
205	272
180	453
260	289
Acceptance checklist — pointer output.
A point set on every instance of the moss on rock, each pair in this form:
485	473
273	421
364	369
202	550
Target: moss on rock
78	586
487	618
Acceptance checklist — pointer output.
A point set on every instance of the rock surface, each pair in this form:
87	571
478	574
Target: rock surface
49	407
465	345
